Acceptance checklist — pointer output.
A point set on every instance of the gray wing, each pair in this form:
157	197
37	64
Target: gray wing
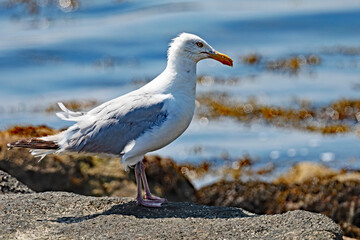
113	127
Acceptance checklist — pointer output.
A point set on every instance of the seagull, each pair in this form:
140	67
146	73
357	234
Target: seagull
138	122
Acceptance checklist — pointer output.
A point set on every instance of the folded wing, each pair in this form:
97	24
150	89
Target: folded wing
114	127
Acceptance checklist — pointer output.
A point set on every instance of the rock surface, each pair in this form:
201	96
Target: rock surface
60	215
9	184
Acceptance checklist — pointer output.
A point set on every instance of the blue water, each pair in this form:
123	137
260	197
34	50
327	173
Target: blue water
97	51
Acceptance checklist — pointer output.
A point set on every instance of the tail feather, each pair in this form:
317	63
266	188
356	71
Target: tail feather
68	115
34	143
41	153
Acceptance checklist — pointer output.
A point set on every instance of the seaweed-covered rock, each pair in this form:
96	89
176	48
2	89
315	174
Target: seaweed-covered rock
338	200
306	171
59	215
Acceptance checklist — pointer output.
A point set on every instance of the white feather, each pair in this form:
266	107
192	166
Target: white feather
141	121
41	153
68	115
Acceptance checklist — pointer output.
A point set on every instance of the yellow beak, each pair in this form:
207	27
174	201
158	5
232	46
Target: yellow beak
221	58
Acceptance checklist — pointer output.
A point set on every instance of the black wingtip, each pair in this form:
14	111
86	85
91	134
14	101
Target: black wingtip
33	143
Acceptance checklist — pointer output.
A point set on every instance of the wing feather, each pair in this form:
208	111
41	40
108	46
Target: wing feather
116	126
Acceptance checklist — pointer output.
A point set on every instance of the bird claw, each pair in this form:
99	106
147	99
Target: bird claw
155	199
148	203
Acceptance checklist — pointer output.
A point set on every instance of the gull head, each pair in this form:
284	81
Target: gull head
194	48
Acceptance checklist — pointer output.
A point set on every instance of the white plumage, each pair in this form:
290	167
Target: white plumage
141	121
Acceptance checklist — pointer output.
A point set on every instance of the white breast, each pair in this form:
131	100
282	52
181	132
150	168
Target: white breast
178	81
180	111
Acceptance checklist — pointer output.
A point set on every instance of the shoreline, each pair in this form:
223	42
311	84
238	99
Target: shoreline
305	186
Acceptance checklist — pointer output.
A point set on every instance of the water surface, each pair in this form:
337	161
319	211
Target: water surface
100	48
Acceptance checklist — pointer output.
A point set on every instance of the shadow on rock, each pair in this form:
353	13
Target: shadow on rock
169	210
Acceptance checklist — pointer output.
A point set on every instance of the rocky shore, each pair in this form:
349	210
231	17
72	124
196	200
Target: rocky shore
60	215
336	199
305	187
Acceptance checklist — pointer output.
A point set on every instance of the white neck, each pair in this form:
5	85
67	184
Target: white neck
179	77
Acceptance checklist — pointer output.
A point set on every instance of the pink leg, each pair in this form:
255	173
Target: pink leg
139	198
148	194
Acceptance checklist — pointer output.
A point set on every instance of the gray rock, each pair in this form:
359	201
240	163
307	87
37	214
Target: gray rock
60	215
9	184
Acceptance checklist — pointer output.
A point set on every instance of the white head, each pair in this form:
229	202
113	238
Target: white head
194	48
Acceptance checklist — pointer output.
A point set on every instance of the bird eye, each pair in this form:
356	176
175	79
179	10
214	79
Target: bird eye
199	44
